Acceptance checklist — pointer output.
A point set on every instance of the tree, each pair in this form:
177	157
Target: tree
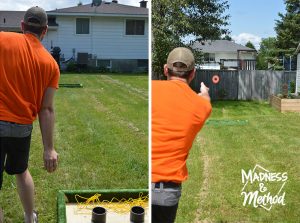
250	45
227	37
79	3
288	28
174	21
267	55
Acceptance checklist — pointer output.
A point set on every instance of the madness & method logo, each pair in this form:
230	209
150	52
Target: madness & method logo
263	188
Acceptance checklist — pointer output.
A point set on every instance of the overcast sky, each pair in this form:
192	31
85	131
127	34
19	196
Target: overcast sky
23	5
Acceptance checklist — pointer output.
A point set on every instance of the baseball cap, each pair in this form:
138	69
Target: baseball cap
36	16
183	55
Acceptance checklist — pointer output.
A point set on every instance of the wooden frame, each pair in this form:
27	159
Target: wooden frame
68	196
284	104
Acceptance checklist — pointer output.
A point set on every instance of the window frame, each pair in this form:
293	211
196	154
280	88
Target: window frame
134	19
209	57
80	34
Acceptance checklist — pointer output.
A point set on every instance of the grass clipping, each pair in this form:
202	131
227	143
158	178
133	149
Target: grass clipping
120	206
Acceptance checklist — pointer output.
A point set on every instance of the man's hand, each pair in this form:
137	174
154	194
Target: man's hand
50	160
204	91
46	120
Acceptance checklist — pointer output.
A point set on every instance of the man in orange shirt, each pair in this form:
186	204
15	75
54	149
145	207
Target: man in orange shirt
178	114
28	80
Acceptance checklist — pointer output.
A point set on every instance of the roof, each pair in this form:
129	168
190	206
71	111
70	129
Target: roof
11	19
220	46
106	8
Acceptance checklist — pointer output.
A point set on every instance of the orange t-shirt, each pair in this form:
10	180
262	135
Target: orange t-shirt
26	70
178	114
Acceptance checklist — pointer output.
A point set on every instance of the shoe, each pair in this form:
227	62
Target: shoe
35	217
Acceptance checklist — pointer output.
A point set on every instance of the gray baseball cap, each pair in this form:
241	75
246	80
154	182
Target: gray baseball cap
183	55
36	16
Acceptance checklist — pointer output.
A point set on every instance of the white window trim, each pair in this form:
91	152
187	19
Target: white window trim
90	26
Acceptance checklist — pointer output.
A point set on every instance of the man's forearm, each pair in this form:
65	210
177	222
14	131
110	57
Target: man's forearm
46	120
204	91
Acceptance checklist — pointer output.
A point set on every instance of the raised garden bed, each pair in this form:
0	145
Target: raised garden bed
285	104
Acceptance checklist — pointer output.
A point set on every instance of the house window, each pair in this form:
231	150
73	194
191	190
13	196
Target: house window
209	57
82	26
135	27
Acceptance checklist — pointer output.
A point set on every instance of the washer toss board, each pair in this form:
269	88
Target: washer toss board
75	206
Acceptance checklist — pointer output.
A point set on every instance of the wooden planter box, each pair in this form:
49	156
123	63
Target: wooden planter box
284	104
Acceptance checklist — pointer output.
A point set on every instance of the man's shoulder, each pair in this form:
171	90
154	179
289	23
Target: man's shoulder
164	83
45	56
10	35
158	83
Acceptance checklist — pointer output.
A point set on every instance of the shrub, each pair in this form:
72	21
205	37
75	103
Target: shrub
71	67
103	69
222	93
292	87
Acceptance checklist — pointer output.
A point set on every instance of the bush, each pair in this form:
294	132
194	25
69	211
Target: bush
103	70
222	93
72	67
292	87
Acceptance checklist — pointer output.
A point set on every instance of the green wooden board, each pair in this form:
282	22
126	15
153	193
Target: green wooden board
226	122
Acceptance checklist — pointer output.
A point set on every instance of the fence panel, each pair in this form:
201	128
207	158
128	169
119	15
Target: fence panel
244	84
227	88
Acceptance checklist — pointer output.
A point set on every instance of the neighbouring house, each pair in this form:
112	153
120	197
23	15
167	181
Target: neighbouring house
99	34
298	69
226	55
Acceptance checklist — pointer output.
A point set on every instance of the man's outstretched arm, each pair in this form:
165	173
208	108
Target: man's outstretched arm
46	120
204	91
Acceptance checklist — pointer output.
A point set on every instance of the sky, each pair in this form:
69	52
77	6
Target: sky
251	20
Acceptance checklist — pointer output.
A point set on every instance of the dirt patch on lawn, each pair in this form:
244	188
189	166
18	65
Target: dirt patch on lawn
203	194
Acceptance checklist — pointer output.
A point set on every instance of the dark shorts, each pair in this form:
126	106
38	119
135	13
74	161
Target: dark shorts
14	155
164	214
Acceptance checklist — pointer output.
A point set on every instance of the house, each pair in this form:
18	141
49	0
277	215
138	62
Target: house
224	54
298	69
101	34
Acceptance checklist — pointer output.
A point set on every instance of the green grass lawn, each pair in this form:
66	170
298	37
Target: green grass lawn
213	191
101	136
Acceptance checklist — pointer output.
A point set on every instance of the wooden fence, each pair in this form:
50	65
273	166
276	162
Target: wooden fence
243	85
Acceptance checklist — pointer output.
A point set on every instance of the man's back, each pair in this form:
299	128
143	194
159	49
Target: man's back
26	70
178	114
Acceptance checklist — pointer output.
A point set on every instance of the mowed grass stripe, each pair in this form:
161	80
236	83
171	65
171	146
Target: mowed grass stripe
135	80
125	105
271	141
96	151
130	89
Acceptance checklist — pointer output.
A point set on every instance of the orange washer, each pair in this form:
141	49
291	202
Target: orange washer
215	79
